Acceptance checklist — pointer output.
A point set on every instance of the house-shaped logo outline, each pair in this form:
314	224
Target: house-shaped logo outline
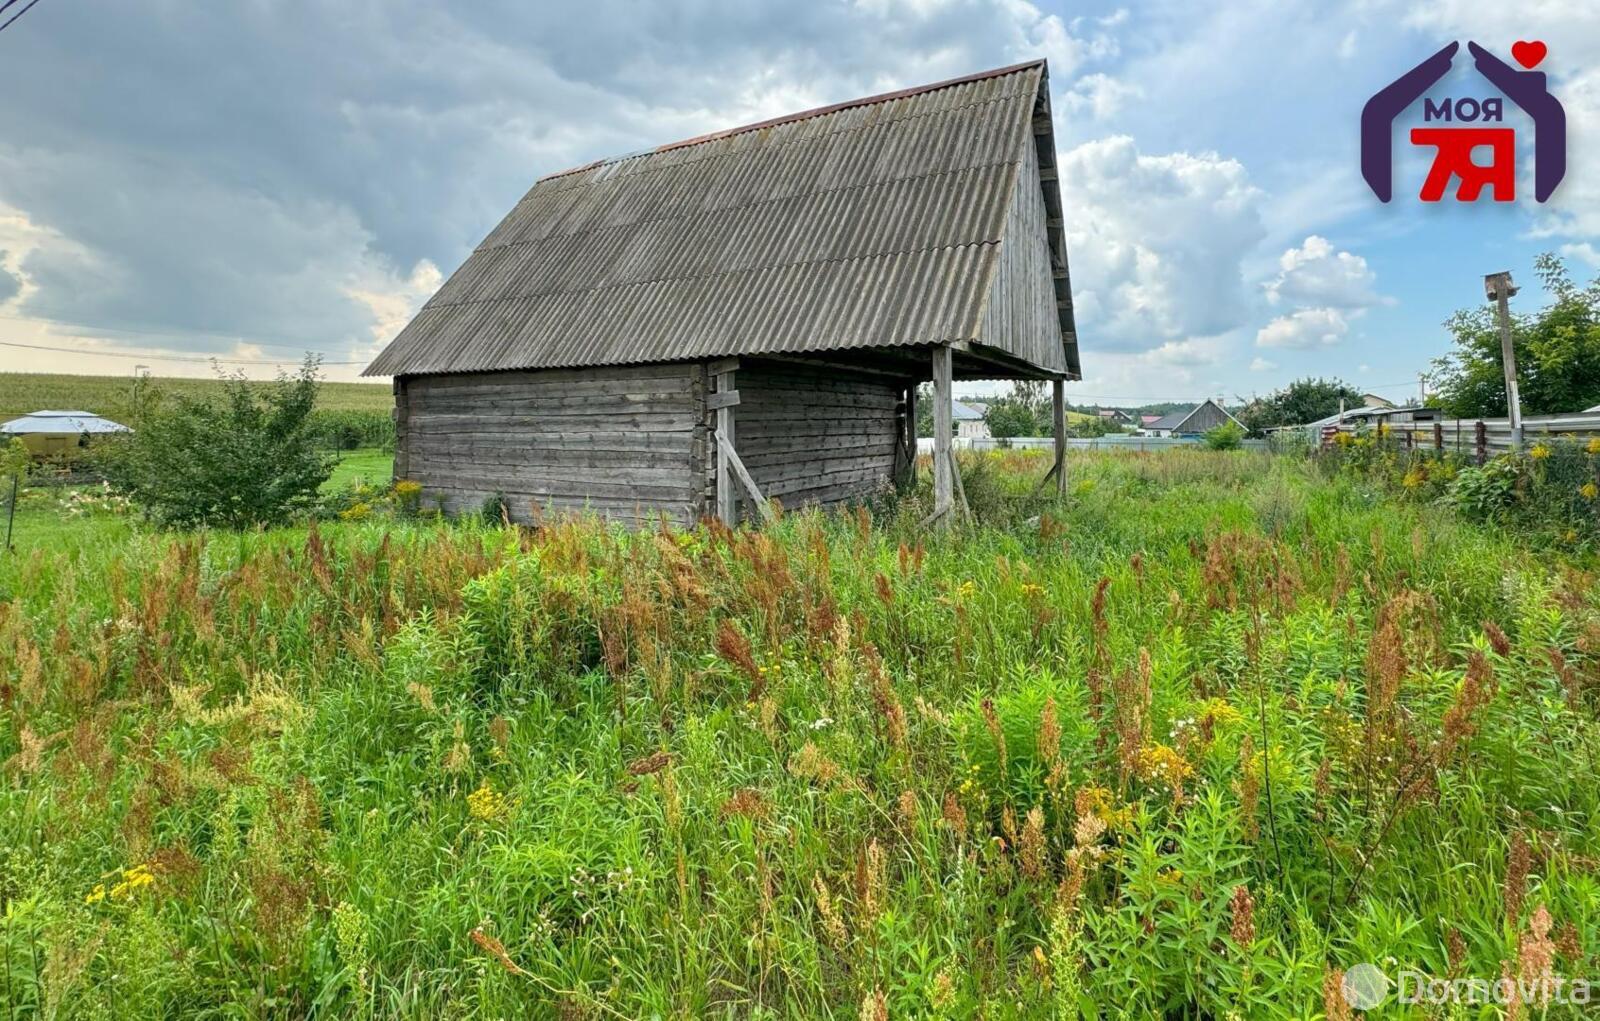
1527	89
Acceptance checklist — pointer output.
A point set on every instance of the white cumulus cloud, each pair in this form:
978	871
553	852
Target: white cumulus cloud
1099	96
1157	242
1316	274
1307	328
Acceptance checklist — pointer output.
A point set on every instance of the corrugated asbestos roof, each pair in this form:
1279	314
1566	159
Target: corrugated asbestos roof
868	224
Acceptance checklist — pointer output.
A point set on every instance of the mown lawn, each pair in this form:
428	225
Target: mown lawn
370	466
1190	743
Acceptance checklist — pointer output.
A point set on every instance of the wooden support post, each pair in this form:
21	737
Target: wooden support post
961	489
1037	486
1059	421
737	467
943	451
911	436
727	494
905	439
1438	437
1481	435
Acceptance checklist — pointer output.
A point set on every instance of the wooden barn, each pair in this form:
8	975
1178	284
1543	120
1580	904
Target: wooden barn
705	326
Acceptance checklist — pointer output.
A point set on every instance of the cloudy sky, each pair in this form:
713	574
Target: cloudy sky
250	180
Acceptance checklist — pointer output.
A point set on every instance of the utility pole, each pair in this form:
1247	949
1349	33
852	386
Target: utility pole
1499	289
139	373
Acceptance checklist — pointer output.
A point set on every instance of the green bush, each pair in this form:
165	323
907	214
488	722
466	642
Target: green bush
1227	436
1486	492
15	459
245	460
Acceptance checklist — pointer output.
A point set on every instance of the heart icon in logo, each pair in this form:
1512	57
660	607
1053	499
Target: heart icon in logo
1528	54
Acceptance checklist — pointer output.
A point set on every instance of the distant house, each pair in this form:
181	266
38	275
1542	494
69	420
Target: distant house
1146	421
59	433
969	421
1201	418
1114	416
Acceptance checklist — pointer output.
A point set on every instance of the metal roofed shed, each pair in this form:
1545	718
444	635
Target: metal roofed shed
798	277
57	433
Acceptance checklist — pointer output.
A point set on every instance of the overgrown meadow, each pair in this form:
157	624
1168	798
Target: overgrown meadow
1190	743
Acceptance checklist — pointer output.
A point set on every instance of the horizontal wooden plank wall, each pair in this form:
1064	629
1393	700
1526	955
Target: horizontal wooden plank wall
625	442
815	435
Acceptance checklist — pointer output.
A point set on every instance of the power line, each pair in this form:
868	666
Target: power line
17	15
204	359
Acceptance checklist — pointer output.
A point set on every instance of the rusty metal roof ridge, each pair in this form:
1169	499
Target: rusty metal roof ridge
821	111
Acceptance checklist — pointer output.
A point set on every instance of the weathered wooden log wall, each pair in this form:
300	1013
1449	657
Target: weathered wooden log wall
1020	313
626	442
816	435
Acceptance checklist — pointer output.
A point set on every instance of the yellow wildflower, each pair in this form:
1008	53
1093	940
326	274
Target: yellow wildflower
1594	445
1539	452
1161	763
1219	711
488	804
1031	590
356	512
1589	491
133	880
1095	802
1414	477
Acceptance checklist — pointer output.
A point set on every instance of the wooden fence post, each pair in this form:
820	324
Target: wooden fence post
1438	438
1481	434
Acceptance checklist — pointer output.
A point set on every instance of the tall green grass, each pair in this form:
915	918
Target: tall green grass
1188	742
